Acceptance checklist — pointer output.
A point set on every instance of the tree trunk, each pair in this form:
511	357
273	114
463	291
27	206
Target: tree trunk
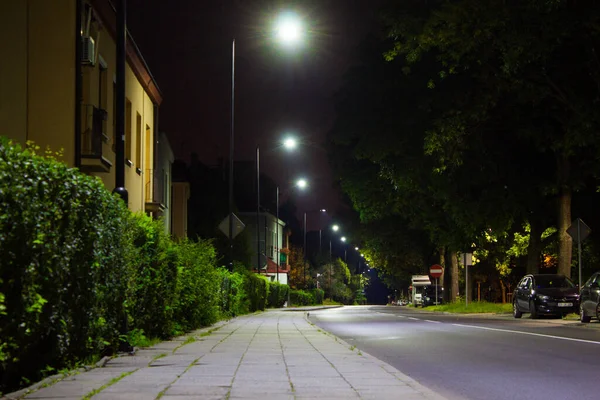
565	243
454	276
442	279
534	248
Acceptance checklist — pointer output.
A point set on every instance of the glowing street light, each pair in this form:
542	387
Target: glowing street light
288	28
290	143
335	228
323	210
302	183
356	248
343	238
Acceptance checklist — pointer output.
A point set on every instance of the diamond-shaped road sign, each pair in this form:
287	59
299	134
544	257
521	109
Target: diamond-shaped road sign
238	225
579	231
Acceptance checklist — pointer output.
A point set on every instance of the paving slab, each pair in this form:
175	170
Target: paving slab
273	355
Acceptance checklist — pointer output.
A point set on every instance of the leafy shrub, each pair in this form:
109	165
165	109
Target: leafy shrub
257	288
233	299
153	278
62	270
318	295
198	287
301	298
278	294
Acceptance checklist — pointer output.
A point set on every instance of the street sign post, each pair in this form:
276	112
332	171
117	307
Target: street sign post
435	271
238	226
579	231
467	260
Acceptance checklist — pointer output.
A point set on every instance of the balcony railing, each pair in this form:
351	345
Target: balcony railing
152	205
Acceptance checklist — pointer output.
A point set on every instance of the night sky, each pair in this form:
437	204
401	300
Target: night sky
279	90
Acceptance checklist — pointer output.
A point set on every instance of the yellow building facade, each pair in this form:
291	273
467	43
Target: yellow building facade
62	98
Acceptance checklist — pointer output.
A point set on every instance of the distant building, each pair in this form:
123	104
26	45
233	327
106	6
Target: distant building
273	240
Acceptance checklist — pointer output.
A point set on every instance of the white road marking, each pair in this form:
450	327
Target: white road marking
529	333
435	322
414	319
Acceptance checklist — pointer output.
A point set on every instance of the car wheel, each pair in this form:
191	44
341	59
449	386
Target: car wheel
582	317
598	311
533	310
516	312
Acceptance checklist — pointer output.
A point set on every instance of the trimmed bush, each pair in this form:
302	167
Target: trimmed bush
63	265
278	294
233	299
198	294
301	298
318	296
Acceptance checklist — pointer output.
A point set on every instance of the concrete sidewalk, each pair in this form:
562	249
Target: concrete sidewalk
271	355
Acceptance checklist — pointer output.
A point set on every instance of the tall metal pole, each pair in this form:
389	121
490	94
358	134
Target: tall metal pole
304	251
579	248
330	270
466	280
231	143
120	100
258	209
320	243
277	234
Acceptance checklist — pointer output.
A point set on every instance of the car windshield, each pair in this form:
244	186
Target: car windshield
547	282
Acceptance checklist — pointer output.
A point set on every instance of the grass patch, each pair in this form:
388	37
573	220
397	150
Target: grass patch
329	302
189	340
571	317
473	308
157	357
110	383
352	347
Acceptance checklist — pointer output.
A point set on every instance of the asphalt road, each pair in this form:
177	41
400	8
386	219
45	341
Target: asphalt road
463	357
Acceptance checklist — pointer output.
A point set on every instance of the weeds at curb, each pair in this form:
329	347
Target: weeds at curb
110	383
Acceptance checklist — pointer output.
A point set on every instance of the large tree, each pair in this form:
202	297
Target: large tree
533	77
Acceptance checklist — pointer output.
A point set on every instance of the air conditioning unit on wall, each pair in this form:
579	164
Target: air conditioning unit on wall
88	50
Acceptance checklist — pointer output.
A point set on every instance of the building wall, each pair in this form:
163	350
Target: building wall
163	178
38	73
13	74
181	195
267	247
37	89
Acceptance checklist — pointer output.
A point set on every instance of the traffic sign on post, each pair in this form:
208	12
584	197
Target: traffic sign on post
436	271
238	225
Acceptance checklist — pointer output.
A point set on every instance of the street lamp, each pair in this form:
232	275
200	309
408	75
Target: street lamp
290	143
335	228
288	30
302	184
278	255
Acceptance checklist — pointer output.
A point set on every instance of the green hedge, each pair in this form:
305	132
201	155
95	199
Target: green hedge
306	297
80	273
63	269
278	294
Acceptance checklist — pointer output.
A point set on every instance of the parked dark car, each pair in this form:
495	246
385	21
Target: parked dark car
545	294
590	299
428	296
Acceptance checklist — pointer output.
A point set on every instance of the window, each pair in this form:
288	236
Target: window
103	92
128	154
165	191
138	141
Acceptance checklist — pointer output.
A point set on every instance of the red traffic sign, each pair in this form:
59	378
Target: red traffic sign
435	271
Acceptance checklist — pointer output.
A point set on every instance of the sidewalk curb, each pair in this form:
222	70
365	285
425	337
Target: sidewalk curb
307	308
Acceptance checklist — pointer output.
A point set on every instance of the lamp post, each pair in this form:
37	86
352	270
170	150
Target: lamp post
288	29
334	228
